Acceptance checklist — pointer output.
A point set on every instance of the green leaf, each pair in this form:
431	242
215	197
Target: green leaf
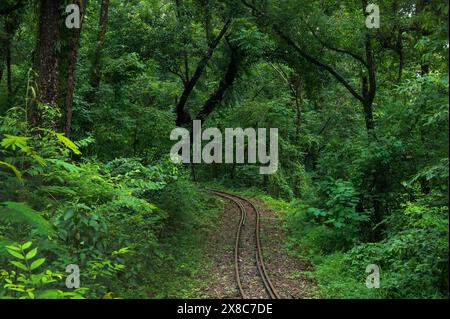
58	190
13	142
26	245
19	265
13	168
64	165
68	143
15	254
13	248
31	253
21	213
51	294
68	215
39	159
37	263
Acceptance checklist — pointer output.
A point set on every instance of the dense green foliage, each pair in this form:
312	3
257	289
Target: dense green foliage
111	218
86	179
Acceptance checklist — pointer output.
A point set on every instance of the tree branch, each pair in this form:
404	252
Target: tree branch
228	80
182	116
339	50
179	74
284	77
307	56
318	63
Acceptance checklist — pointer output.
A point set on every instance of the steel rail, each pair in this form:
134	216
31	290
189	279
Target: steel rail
259	256
238	235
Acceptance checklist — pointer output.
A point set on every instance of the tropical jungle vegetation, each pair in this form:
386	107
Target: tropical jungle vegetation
86	114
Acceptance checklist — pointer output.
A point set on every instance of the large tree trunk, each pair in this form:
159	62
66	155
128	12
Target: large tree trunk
69	61
47	64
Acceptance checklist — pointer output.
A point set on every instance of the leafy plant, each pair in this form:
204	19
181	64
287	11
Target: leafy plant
340	207
26	282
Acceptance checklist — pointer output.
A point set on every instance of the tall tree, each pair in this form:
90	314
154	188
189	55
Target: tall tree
71	37
96	67
11	20
2	66
2	51
47	62
367	93
9	33
421	7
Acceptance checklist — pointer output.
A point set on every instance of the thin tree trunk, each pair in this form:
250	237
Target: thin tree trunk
298	111
9	32
368	109
420	7
96	62
399	43
2	57
401	57
8	68
233	170
194	174
215	170
180	17
369	84
135	140
71	56
1	66
208	25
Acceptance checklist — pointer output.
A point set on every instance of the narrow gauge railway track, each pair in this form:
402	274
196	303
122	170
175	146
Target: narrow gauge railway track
251	275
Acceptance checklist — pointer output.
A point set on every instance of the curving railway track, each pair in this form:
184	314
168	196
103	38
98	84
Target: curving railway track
250	271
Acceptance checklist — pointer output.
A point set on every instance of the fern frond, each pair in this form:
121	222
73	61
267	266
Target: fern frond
13	168
21	213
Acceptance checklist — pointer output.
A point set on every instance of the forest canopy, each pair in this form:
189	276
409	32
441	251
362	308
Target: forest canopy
90	91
